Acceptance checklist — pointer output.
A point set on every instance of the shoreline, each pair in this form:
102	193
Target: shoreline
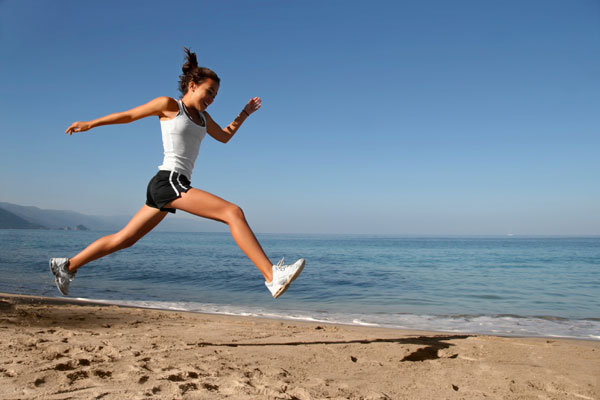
44	300
55	347
244	313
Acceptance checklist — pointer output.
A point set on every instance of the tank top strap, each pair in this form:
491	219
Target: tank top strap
184	111
180	105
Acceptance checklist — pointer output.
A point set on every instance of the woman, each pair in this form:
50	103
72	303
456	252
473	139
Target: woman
184	123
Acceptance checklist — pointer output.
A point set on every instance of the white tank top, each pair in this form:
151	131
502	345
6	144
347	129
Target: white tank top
181	141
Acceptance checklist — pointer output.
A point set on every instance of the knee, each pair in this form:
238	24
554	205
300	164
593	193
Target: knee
234	213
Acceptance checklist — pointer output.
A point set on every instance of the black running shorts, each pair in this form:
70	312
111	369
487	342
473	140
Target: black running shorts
165	187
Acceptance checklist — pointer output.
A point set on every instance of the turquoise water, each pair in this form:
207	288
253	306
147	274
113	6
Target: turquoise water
503	285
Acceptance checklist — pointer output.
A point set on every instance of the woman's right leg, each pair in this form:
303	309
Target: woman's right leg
207	205
141	223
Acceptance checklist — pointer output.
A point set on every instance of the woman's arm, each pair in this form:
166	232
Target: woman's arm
154	107
224	135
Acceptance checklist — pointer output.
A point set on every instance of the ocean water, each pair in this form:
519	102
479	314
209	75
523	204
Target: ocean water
496	285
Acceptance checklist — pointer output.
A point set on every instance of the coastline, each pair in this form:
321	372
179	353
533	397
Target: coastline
358	320
55	347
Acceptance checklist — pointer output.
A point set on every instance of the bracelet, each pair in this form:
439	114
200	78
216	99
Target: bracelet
244	110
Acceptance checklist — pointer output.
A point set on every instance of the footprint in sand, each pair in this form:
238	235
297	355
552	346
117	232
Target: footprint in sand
176	377
154	390
77	375
103	374
7	373
186	387
210	387
68	366
144	363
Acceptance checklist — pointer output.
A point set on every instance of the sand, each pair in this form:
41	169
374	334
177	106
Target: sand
64	349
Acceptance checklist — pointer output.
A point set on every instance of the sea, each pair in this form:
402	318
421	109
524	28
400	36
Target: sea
510	285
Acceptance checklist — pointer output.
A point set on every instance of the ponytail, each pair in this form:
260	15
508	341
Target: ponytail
193	73
191	62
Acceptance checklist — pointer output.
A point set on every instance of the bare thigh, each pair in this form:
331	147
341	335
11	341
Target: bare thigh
141	223
204	204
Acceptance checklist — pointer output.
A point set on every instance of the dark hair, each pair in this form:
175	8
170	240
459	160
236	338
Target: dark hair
193	73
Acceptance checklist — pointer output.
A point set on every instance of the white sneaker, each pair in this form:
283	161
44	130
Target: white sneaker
283	275
62	276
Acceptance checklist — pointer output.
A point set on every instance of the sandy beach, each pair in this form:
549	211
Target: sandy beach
65	349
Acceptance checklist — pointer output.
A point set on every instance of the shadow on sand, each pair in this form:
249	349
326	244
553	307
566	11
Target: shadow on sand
430	351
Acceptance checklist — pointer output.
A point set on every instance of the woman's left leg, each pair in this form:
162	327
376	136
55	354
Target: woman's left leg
64	269
204	204
142	222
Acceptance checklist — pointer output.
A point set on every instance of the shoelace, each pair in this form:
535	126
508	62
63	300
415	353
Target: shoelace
280	266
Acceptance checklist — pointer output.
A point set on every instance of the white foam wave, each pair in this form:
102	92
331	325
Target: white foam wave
494	325
363	323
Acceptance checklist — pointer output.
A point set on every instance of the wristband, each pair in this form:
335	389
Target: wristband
244	110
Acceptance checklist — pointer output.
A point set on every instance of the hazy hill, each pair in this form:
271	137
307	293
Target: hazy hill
59	219
9	220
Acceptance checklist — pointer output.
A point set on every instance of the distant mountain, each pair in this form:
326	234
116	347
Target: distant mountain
57	219
68	220
9	220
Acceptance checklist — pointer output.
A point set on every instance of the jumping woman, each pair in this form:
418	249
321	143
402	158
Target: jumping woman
184	123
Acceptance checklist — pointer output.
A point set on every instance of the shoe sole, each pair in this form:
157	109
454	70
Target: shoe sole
299	270
290	280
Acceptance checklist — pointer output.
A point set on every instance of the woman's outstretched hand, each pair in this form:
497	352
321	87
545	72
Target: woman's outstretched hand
78	126
253	105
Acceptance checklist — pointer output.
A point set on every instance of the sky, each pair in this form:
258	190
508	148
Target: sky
382	117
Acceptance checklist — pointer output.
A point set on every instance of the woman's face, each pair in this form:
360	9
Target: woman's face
203	94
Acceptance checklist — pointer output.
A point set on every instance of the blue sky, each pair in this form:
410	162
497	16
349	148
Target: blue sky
392	117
